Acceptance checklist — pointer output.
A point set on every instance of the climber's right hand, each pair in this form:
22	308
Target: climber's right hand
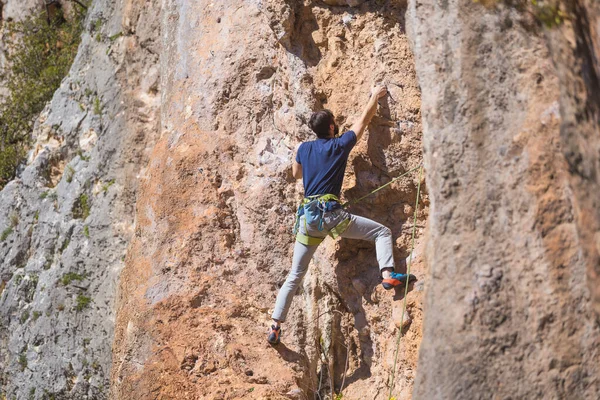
378	91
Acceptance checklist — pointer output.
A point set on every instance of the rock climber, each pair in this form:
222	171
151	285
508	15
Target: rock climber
321	164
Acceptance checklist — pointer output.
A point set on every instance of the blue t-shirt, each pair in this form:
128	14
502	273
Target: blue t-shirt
324	162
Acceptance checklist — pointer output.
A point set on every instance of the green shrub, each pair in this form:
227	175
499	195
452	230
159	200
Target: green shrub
40	56
547	12
86	231
70	277
5	233
84	158
65	244
24	316
81	208
14	219
115	36
107	185
97	106
82	302
36	315
22	361
69	174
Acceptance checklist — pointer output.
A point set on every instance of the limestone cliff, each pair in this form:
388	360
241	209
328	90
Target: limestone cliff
67	218
213	231
145	238
509	312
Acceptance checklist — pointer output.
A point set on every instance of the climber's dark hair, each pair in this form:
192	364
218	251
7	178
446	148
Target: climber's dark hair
320	122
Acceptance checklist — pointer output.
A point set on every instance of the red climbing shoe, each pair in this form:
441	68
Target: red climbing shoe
274	334
396	279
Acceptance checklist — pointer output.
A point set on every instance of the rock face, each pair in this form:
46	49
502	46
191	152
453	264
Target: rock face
576	47
164	161
509	313
67	218
213	222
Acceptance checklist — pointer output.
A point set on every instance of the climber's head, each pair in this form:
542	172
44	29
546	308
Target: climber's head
323	124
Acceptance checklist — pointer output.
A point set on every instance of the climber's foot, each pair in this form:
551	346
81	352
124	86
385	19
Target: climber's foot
274	334
397	279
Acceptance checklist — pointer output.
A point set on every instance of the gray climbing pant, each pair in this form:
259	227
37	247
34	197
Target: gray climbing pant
359	228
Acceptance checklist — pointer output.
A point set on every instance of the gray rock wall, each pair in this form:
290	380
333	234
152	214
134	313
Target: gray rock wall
508	312
67	218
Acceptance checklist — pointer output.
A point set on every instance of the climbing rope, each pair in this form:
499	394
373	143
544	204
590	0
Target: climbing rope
412	249
380	187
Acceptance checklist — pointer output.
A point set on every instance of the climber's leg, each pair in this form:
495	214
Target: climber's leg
366	229
300	261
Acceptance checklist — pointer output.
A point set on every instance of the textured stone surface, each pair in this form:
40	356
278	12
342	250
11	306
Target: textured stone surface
511	154
213	240
508	309
576	48
90	141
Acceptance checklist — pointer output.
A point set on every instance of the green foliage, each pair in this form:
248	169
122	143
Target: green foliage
86	231
97	106
82	302
546	12
84	158
115	36
23	361
36	216
65	244
24	316
44	195
69	174
36	315
81	208
549	13
14	219
41	53
97	25
18	279
70	277
5	233
107	185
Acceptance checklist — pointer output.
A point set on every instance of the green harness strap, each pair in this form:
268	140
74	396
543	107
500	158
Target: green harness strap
342	226
333	232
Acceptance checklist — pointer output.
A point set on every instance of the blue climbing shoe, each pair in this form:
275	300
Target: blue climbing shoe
274	334
397	279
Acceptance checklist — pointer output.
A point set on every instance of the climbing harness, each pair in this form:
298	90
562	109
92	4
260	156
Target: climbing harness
314	207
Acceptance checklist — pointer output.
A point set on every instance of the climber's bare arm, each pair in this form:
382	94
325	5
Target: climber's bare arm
361	124
297	170
296	167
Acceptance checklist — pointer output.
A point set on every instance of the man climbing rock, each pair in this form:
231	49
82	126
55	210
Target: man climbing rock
321	164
